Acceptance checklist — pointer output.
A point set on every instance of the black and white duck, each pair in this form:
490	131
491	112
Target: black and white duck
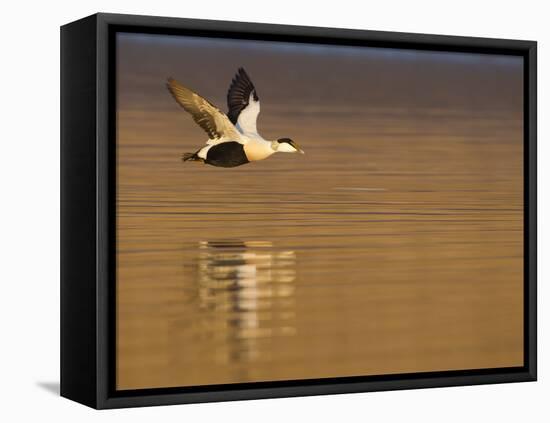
233	139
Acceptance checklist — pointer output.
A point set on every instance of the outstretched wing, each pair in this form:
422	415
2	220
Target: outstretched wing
243	103
207	116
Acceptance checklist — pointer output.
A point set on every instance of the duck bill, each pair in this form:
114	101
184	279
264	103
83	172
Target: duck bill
298	149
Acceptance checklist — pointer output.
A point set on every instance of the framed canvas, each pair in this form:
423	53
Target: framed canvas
205	258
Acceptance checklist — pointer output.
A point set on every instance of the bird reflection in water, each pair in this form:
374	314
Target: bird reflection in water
246	289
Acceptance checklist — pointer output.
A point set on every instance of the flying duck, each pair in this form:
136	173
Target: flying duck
233	139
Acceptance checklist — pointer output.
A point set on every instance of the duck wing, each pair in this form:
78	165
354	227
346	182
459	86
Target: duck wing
214	122
243	103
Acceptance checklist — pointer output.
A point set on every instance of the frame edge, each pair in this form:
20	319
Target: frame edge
78	212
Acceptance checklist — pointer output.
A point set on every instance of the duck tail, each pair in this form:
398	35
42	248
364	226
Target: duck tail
191	157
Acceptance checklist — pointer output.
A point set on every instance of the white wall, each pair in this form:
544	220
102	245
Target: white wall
29	97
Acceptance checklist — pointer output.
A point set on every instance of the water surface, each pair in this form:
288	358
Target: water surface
394	245
381	253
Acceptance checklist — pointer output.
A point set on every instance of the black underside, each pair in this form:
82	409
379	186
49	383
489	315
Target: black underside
226	154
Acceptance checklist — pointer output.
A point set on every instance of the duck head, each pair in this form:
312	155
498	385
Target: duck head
286	145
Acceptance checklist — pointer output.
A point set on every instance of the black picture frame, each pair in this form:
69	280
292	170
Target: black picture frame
88	223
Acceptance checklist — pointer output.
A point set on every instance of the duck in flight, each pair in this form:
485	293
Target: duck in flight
233	139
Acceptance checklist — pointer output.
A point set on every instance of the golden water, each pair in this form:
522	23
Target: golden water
392	246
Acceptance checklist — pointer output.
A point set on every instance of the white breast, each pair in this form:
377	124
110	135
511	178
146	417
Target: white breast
257	149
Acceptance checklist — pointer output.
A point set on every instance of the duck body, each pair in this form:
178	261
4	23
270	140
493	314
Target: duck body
233	153
233	139
226	154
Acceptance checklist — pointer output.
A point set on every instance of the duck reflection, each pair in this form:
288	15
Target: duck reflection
247	287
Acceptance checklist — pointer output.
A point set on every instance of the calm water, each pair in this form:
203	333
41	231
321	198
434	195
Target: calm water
394	246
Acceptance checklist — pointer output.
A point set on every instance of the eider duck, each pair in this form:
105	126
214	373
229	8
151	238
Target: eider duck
233	139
